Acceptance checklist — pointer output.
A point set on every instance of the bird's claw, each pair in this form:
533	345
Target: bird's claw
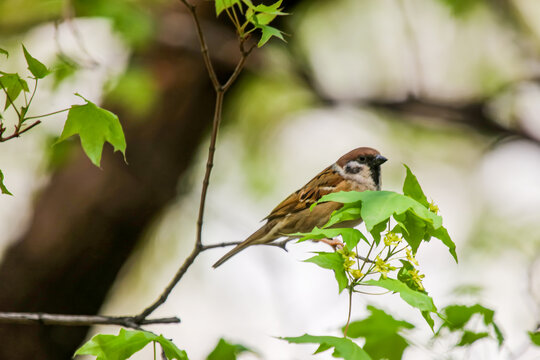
335	243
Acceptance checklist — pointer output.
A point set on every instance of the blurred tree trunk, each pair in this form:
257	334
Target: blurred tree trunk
87	221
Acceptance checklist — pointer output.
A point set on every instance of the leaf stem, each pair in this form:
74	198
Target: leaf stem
233	19
45	115
349	314
367	256
245	53
18	131
33	93
236	22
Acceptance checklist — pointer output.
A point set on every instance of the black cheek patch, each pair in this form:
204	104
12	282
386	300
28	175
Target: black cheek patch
352	170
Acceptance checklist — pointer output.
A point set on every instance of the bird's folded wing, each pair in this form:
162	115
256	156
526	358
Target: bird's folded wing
324	183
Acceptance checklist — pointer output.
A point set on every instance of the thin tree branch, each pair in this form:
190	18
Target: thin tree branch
209	163
220	92
187	263
165	294
204	48
471	114
80	320
18	131
245	53
280	244
136	321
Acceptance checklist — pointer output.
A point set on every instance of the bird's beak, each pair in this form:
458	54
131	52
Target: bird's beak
379	159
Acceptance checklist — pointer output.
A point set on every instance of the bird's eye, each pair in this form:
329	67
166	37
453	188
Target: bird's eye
362	158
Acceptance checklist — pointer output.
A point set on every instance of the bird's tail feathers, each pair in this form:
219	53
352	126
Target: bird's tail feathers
231	253
260	236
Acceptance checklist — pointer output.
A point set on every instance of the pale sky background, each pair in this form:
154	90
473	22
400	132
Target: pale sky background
264	292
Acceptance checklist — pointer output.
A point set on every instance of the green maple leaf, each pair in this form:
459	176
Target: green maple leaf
35	66
127	343
3	188
95	126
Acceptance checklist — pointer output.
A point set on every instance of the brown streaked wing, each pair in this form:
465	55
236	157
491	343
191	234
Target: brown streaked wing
324	183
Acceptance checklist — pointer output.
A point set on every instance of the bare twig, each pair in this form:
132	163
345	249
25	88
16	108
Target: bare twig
470	114
127	321
209	163
220	92
141	319
279	244
245	53
18	131
80	320
165	294
204	48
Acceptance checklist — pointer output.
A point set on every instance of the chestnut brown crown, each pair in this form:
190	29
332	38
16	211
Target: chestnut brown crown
366	155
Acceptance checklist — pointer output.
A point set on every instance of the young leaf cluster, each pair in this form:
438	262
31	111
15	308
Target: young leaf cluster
457	319
127	343
248	18
13	85
379	330
390	264
224	350
382	335
343	348
389	261
94	125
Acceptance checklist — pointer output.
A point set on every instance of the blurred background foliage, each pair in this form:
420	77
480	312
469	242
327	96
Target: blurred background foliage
449	87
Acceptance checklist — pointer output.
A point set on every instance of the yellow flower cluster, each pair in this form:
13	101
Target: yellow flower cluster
417	278
391	238
433	207
411	257
383	267
356	273
349	259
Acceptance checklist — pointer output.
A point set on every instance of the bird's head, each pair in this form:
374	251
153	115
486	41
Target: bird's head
362	165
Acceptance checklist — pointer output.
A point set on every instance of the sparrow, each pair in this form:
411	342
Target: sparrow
357	170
